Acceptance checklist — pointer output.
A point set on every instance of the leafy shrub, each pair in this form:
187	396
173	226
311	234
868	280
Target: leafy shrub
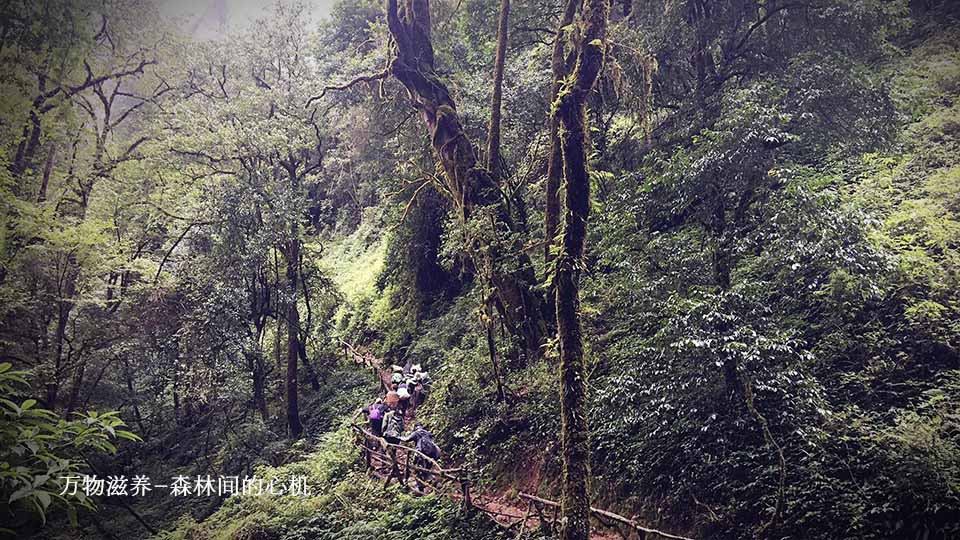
39	450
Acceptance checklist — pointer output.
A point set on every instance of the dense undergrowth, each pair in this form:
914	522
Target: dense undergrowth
847	327
346	503
786	366
847	330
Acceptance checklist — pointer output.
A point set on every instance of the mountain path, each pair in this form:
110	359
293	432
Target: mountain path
507	512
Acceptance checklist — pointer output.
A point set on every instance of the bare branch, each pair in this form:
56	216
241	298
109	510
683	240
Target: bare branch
362	79
91	80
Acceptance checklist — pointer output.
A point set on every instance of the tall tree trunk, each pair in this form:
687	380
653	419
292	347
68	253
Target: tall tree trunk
293	342
187	417
560	65
721	271
311	372
469	185
574	434
28	147
132	394
493	133
305	330
292	255
698	13
277	337
47	170
65	304
259	385
75	389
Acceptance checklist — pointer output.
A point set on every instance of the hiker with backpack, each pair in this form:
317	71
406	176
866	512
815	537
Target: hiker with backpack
392	431
426	448
392	399
393	424
421	384
423	441
374	413
403	392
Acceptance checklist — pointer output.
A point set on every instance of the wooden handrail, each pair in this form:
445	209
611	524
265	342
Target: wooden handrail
607	514
386	445
387	454
351	348
367	360
459	474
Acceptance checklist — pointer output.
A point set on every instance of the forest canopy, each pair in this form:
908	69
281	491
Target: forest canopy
477	269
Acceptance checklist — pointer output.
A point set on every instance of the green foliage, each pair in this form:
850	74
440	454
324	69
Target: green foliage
839	313
345	504
772	264
40	449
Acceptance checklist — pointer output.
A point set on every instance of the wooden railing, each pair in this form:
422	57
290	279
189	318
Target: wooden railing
547	512
404	463
367	360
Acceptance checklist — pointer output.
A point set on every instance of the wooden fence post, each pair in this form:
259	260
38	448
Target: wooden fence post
523	523
465	491
394	467
361	441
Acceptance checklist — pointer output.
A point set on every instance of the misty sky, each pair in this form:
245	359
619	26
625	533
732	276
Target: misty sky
209	18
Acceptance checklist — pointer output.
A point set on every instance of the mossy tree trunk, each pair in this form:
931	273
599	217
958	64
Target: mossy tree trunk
493	133
570	109
294	426
560	65
475	194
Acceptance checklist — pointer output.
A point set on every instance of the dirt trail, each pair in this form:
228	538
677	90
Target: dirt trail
508	512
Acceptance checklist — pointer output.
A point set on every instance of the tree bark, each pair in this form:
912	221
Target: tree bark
67	290
493	133
256	364
47	170
469	185
75	389
305	330
294	426
574	434
698	11
311	372
560	65
492	349
28	147
132	395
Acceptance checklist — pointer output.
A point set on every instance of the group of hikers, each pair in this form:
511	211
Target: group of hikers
388	415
